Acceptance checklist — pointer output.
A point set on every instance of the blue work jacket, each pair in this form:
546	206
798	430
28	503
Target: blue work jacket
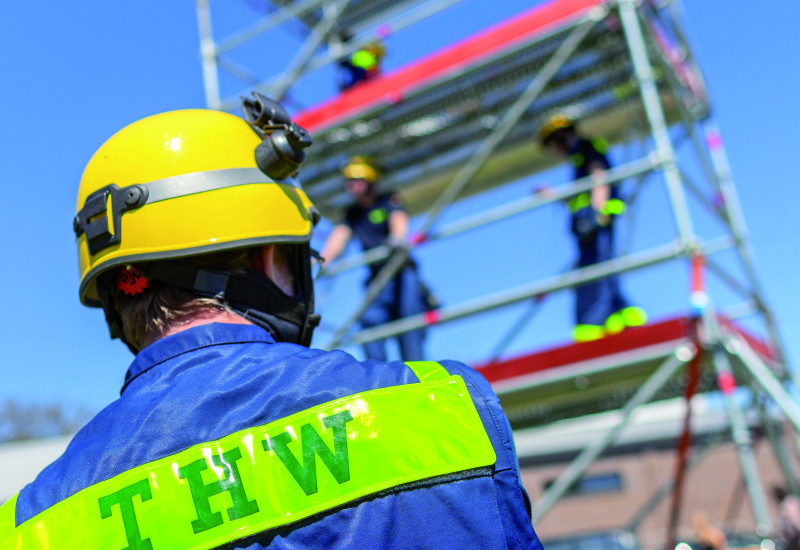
208	382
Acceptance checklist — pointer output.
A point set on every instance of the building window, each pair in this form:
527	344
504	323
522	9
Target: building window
591	485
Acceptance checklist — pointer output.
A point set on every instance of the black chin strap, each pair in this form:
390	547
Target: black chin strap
252	295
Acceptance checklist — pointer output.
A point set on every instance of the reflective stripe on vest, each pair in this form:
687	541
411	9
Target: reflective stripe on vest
579	202
613	207
268	476
364	60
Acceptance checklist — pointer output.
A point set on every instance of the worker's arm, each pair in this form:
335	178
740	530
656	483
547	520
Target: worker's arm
398	226
336	242
600	193
398	221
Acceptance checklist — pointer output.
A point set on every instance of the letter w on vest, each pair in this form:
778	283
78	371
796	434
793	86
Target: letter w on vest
305	474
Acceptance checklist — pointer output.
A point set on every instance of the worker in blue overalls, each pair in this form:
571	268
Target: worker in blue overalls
361	65
229	432
379	219
600	306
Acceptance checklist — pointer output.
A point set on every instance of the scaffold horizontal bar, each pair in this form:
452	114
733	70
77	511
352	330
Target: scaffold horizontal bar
524	292
573	278
737	311
397	23
514	208
729	280
265	24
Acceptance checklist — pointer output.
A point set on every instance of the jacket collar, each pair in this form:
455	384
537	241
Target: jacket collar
192	339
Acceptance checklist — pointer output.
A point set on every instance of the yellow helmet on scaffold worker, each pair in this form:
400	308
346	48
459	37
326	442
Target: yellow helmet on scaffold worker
377	49
369	56
182	184
362	167
558	121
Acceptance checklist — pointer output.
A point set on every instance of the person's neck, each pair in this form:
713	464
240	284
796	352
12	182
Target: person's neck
196	319
366	200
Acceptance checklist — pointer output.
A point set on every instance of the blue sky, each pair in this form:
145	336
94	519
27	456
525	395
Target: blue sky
77	72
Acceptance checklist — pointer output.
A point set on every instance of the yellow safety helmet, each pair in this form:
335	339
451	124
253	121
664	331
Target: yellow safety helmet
179	184
554	123
362	167
186	183
377	49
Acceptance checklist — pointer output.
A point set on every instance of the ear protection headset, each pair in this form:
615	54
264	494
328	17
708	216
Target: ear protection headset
281	152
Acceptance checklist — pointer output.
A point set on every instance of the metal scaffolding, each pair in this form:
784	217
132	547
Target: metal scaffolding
452	125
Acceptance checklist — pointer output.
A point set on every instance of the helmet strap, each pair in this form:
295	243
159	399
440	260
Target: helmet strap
250	294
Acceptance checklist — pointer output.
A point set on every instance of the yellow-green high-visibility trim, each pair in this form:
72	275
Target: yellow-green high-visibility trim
579	202
7	516
269	476
587	333
615	323
364	60
427	371
626	317
378	216
614	207
576	159
600	145
634	316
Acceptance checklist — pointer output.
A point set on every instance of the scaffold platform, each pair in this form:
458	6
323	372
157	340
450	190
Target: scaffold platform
425	120
577	379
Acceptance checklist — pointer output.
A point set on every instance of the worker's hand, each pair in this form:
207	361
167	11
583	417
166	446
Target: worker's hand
317	264
316	258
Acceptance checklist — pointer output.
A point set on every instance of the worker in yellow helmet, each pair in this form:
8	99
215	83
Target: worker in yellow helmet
600	306
193	236
361	65
377	219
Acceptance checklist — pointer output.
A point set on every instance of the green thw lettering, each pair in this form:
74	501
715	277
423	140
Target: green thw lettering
312	444
230	481
124	497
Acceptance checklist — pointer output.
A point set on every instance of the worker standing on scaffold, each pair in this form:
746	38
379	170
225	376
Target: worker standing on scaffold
600	306
378	219
229	432
361	65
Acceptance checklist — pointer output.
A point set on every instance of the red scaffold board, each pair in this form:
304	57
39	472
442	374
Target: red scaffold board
390	88
663	332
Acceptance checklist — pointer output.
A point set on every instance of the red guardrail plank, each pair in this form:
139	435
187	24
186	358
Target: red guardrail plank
391	87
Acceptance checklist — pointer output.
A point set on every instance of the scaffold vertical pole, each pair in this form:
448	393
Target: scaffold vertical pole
710	152
762	375
713	340
733	209
740	435
778	441
685	441
208	54
656	118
